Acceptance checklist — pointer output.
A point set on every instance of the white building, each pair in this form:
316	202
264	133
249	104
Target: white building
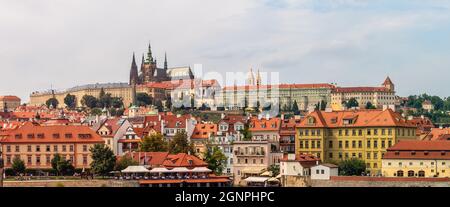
324	171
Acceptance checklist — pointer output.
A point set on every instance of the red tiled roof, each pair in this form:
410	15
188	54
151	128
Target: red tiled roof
280	86
9	98
203	131
361	118
360	89
184	160
420	145
272	124
438	134
387	179
31	133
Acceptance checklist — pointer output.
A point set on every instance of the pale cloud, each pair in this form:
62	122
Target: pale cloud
352	42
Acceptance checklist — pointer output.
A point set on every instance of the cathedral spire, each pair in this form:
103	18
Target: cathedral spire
258	79
149	54
133	72
165	60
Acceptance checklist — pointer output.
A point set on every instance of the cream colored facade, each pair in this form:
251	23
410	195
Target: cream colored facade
416	168
250	158
39	156
378	96
306	95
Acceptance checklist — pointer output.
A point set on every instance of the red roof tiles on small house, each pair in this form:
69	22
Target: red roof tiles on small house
204	131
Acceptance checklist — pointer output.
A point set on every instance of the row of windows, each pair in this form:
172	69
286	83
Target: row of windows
48	158
55	136
254	161
354	132
347	155
412	164
47	148
346	144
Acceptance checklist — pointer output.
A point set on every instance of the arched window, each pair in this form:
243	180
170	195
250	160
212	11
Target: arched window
421	173
411	173
400	173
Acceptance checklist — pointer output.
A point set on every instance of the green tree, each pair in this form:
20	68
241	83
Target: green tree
159	105
61	165
216	159
275	169
351	103
117	102
369	105
124	162
52	102
89	101
143	99
180	144
70	101
153	143
96	111
246	133
168	103
103	159
105	100
352	167
295	108
18	165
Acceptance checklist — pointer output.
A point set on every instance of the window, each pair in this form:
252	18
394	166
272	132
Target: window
421	173
340	155
17	148
375	155
369	132
368	143
360	132
330	155
85	160
353	144
322	171
368	155
359	144
340	144
318	144
346	144
411	173
38	148
8	148
55	148
346	155
38	159
55	136
340	132
360	155
47	159
313	144
68	135
330	144
301	144
375	132
64	148
375	144
390	143
71	148
306	144
47	148
383	145
29	148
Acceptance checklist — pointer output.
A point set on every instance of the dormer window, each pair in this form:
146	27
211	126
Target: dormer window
40	135
18	136
311	120
413	153
68	135
443	153
55	136
397	153
426	153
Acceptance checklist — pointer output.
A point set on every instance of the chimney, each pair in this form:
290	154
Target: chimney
222	116
282	116
317	162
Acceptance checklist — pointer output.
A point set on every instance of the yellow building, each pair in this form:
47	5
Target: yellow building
377	96
362	134
417	159
36	145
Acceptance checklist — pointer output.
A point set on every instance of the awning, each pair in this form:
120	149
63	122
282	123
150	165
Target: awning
253	170
135	169
267	174
273	180
201	169
173	170
256	179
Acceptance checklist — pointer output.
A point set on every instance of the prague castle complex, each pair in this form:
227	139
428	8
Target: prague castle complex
160	83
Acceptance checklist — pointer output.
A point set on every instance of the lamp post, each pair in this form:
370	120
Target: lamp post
1	169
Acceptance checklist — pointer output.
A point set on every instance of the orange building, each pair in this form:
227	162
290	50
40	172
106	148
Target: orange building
36	144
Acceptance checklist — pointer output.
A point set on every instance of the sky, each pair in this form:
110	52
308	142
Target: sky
60	44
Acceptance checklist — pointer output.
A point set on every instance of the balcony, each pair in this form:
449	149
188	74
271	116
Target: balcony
248	154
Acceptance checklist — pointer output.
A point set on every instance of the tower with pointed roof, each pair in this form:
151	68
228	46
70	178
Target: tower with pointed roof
134	76
250	77
165	61
258	78
389	84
